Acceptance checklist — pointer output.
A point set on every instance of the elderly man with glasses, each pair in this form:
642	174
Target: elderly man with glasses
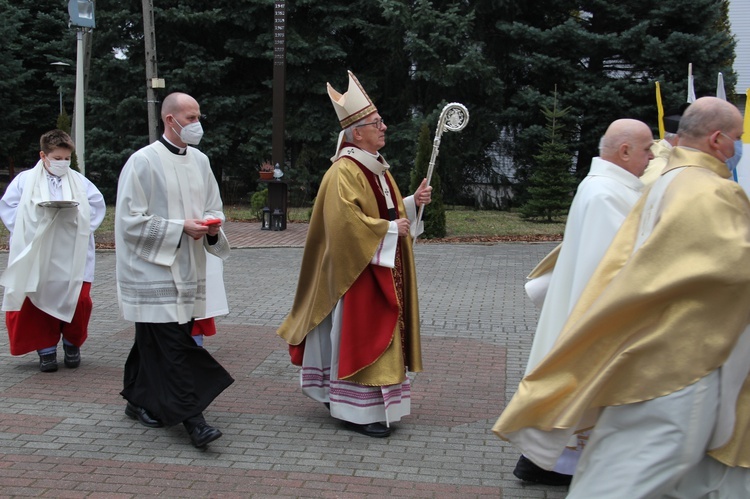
354	324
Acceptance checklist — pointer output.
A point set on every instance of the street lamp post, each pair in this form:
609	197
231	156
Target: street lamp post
60	67
82	17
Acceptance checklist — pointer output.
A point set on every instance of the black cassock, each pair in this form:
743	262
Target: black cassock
167	374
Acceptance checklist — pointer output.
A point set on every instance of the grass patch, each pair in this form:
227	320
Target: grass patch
463	222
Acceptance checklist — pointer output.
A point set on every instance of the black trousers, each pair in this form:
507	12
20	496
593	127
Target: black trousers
169	375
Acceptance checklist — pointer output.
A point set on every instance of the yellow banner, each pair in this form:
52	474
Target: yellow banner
660	110
746	129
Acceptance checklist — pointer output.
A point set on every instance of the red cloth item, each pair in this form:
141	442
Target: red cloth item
371	306
30	329
297	353
206	327
369	319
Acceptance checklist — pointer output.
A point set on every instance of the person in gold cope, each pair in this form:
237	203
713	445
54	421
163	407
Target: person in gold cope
663	148
653	356
354	324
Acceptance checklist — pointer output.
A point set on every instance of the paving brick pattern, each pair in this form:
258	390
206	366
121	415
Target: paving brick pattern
65	434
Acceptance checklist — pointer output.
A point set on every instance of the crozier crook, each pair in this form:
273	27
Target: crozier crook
453	118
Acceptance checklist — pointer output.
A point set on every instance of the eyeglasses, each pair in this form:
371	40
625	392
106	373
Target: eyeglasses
377	124
727	136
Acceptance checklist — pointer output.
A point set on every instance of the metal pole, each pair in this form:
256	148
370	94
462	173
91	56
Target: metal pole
79	111
59	66
149	38
279	82
454	117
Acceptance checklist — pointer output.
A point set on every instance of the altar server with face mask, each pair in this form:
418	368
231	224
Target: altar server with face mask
51	212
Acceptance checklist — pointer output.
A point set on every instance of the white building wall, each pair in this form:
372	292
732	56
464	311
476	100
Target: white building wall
739	16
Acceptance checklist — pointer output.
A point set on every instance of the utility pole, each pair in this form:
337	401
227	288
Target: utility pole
279	81
78	127
152	79
82	18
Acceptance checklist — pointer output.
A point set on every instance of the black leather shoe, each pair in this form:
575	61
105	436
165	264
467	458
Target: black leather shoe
527	471
374	430
204	434
72	355
142	415
48	362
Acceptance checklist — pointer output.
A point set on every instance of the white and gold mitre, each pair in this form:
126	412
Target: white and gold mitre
353	105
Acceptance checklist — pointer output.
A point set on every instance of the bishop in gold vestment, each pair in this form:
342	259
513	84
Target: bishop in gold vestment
354	324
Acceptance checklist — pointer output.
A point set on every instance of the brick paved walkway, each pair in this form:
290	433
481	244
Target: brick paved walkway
64	434
250	235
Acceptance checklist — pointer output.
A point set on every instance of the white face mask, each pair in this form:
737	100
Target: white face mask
58	168
191	134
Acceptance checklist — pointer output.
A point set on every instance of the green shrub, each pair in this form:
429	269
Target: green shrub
258	200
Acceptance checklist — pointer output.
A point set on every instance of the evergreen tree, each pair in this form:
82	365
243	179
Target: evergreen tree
499	58
551	184
35	34
604	58
434	213
210	50
440	59
63	123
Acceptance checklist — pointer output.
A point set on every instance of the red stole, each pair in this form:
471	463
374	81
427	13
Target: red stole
371	308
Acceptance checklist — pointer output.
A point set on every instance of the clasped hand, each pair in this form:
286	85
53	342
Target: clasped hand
194	228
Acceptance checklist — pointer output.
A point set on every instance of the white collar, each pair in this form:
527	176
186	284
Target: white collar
370	161
180	149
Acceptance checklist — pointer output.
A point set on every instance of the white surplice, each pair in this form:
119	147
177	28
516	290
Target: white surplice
216	294
52	250
603	200
161	272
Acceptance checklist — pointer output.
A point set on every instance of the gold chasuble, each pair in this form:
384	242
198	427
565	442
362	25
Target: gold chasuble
345	232
655	319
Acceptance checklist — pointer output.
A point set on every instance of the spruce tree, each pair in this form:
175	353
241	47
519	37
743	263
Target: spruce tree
499	58
434	213
551	184
604	57
63	123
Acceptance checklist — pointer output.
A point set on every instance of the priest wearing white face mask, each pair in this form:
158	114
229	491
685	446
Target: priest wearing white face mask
165	194
51	212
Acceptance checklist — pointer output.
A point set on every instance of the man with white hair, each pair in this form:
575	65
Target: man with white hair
354	324
603	200
653	356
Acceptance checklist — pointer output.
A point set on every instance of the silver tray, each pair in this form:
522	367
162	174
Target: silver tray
58	204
